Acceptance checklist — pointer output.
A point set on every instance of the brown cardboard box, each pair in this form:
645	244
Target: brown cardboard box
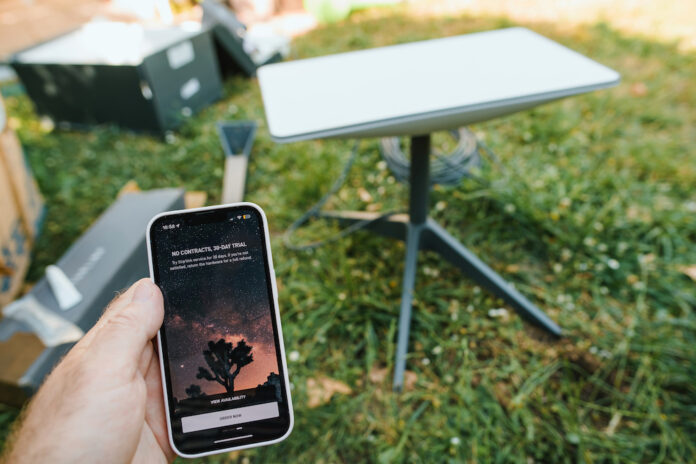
21	211
14	242
14	262
24	188
16	355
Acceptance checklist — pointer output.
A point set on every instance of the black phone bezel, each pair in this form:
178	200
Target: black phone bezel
263	431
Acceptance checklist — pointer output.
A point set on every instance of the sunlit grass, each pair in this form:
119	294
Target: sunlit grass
591	215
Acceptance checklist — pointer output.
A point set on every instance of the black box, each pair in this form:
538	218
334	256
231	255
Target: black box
106	259
228	34
145	79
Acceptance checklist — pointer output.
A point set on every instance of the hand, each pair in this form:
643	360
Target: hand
103	402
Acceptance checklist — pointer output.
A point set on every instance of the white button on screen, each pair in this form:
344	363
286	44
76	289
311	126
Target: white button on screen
216	419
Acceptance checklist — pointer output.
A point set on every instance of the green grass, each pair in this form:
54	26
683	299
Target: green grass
586	183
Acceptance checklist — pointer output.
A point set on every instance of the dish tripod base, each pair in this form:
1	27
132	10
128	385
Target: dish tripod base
422	233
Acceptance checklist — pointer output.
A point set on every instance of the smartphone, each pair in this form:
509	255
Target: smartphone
221	353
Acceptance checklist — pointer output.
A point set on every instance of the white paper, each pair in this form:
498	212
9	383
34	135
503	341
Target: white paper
180	55
63	289
190	88
52	329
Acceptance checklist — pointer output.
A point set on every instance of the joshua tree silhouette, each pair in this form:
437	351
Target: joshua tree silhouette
221	357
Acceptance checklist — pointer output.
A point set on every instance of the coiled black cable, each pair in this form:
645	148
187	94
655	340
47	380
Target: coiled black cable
445	168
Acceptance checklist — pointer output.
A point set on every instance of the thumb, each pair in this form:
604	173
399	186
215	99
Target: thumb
128	326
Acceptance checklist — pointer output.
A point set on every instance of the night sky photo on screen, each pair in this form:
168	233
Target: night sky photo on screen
207	302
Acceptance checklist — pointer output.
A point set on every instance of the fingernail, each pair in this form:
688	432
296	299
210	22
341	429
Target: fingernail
143	292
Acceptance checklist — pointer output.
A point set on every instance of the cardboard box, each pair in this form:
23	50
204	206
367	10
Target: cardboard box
24	188
21	212
106	259
3	116
146	79
14	243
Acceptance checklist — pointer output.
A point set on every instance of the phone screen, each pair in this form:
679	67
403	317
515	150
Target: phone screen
223	360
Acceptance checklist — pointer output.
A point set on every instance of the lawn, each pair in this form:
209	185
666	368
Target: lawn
591	213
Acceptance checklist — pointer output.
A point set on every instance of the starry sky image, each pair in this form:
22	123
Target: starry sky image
207	303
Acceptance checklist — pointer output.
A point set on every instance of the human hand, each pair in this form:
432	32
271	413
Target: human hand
103	402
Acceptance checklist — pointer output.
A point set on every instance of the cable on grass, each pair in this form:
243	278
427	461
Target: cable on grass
315	211
446	169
